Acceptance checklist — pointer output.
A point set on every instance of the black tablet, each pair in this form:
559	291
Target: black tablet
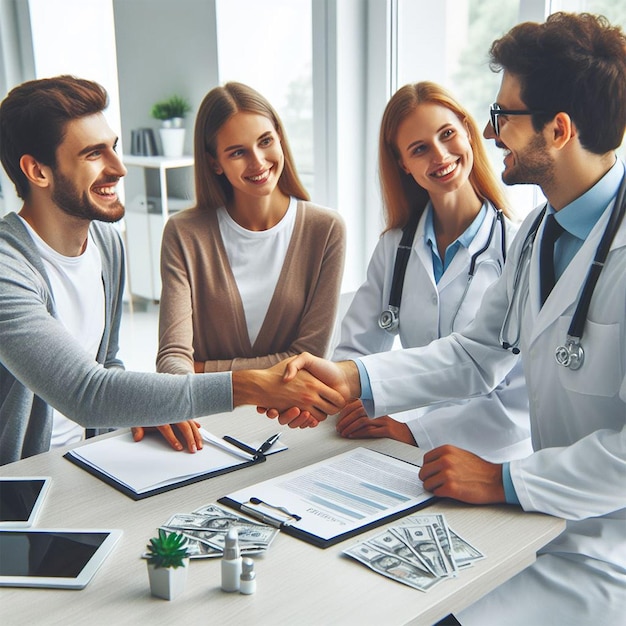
21	499
59	558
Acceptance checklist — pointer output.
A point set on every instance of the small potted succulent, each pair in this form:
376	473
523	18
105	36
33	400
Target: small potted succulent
171	113
168	564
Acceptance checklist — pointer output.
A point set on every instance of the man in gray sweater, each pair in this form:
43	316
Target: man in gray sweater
61	285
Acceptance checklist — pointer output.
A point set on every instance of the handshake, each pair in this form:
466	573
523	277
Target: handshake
300	391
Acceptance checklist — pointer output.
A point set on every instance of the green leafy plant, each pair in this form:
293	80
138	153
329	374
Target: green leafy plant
167	550
174	106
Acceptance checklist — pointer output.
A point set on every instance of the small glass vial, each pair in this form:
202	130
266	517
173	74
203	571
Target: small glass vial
247	580
231	562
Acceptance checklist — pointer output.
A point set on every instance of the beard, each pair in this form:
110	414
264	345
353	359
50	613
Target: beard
532	166
72	202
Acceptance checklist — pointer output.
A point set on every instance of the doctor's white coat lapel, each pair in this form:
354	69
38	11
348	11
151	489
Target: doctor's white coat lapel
567	289
422	249
454	281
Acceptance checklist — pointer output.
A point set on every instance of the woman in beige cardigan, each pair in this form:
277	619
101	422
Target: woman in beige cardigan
251	274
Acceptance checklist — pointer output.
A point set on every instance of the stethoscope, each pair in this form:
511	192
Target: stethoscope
389	319
570	354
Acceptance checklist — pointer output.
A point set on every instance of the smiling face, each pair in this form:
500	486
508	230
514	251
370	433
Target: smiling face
526	158
434	148
87	171
249	153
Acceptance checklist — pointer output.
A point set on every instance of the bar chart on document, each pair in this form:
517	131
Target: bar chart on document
328	501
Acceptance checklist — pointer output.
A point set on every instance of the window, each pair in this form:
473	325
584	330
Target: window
615	12
448	43
269	48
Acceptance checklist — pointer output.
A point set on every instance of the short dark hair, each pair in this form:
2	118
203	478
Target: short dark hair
33	118
573	63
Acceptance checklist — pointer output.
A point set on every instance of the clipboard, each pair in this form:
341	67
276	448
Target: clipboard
335	499
145	469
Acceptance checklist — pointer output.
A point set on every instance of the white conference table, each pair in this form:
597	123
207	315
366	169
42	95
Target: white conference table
297	583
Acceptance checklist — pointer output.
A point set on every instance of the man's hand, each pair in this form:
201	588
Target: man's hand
300	401
450	472
342	376
293	417
188	430
354	423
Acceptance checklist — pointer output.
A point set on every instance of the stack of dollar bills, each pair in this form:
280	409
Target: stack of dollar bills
420	551
206	528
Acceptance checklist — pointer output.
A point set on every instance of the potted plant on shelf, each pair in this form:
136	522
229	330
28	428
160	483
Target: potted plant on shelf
171	112
168	564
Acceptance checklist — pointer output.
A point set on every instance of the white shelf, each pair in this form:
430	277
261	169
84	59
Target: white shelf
157	162
144	228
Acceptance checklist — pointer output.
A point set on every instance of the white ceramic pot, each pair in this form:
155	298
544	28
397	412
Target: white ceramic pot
168	582
173	141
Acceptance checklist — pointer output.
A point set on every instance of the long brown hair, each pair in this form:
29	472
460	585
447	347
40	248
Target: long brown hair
219	105
401	194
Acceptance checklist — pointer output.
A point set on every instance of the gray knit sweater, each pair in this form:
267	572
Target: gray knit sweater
42	366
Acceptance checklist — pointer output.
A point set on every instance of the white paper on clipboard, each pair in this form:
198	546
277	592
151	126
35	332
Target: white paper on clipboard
343	494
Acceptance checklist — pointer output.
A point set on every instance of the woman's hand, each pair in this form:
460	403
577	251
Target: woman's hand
188	431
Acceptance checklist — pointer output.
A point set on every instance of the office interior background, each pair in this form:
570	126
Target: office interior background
328	66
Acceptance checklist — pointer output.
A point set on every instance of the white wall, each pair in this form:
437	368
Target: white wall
42	38
77	37
163	47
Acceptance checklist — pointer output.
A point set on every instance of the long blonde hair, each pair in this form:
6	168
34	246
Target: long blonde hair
401	194
219	105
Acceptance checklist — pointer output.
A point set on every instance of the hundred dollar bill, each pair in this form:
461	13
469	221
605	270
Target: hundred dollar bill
203	536
215	511
391	543
206	528
195	549
251	537
189	521
208	517
201	550
424	543
392	566
464	553
438	522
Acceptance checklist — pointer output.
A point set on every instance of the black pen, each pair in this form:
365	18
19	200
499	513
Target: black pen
240	445
267	444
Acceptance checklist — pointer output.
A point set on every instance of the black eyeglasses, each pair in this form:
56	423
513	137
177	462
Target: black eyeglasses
495	110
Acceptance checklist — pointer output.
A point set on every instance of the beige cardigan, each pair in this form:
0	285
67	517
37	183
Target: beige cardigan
201	315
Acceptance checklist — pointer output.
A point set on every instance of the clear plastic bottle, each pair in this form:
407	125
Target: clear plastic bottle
247	580
231	562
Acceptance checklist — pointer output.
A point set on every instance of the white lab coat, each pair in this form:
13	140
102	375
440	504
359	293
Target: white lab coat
578	425
495	426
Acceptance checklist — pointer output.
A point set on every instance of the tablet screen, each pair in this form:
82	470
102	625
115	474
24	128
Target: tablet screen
21	499
51	557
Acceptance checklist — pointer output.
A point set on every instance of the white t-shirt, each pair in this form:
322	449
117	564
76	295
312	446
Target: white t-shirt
256	260
79	297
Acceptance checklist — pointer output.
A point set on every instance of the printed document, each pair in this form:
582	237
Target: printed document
337	496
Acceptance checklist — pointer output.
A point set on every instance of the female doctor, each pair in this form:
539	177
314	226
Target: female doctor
435	177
